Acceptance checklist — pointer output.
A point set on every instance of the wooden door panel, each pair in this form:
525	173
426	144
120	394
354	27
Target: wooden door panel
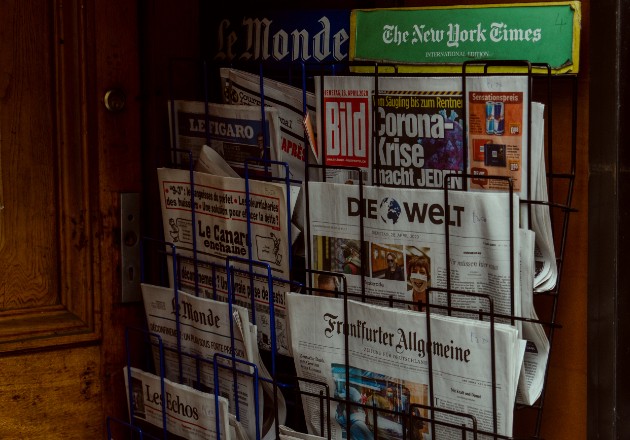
64	160
47	294
52	396
28	227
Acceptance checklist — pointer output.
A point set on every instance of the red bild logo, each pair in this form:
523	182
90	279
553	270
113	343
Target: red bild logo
347	131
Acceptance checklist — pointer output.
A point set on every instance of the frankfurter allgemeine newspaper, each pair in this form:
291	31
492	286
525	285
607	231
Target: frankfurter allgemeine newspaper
396	363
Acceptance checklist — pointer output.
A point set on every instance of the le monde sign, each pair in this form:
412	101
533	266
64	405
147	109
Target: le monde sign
282	36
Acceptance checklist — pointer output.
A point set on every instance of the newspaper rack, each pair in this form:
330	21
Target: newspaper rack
284	381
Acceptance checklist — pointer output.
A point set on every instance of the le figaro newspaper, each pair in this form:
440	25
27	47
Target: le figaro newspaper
399	362
237	133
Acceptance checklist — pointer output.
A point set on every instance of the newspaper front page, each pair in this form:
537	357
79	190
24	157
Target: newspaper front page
418	136
389	351
404	251
344	121
287	433
419	129
240	87
205	328
236	132
190	414
220	232
498	131
502	143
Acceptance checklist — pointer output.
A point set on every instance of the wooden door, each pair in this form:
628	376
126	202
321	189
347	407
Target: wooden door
64	160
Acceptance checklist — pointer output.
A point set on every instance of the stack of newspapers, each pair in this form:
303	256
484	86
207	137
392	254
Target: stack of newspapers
441	246
208	355
388	367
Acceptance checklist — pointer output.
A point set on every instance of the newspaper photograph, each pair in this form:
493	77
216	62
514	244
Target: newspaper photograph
404	252
190	414
240	87
418	137
235	132
205	328
222	229
396	371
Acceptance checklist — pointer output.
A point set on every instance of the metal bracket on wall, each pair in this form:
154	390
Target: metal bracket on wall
130	246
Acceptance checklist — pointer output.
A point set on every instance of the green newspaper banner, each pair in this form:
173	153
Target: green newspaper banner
538	32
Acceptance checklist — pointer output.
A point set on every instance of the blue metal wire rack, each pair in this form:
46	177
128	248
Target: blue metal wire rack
283	379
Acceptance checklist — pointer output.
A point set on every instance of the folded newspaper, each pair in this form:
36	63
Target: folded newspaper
189	414
503	144
230	222
211	162
406	245
397	369
287	433
497	122
546	274
206	328
240	87
419	123
537	350
237	132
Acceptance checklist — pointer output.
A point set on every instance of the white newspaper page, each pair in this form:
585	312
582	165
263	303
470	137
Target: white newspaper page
404	248
532	377
190	414
221	231
204	329
236	132
389	351
546	265
499	137
244	88
211	162
287	433
237	431
270	401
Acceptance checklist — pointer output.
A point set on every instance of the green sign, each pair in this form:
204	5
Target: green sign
538	32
